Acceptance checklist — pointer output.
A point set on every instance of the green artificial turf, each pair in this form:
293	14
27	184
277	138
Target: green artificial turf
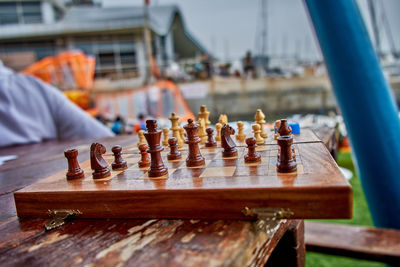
361	216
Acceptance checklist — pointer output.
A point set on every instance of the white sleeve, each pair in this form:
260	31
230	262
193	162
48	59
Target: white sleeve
70	120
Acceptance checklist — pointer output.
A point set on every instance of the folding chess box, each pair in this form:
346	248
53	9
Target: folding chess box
221	189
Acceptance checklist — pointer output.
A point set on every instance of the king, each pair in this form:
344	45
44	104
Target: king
153	137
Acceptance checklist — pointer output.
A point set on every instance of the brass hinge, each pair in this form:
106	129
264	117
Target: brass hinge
60	217
267	219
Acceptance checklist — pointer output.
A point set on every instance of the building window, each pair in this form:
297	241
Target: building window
18	12
114	58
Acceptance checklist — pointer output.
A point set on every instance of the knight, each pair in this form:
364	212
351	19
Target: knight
227	143
97	163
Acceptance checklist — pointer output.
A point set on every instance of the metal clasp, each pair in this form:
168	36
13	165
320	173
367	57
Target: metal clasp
268	219
60	217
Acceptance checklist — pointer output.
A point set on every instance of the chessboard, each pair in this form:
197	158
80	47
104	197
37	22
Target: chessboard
220	189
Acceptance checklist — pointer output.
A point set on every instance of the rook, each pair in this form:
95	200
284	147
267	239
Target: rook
74	170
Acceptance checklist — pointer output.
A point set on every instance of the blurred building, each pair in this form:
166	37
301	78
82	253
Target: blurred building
33	29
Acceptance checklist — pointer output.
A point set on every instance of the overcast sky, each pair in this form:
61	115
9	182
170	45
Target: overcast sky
228	28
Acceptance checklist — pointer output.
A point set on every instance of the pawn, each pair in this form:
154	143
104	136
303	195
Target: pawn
119	163
166	136
145	160
183	137
210	142
240	136
174	153
277	124
142	139
257	132
252	156
74	170
218	128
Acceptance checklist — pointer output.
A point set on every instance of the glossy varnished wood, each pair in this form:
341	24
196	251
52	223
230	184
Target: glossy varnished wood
354	241
316	190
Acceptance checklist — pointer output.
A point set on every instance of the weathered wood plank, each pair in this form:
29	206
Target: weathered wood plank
144	243
352	241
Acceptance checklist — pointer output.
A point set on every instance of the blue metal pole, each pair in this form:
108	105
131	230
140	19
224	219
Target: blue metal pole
366	102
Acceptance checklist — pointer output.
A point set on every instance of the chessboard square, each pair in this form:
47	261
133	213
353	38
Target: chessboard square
209	156
262	148
223	162
187	173
132	160
174	164
264	153
251	170
274	152
130	174
219	171
272	161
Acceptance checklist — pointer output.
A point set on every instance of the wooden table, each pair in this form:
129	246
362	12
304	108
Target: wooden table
129	242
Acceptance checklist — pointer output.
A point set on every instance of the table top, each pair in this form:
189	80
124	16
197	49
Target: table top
154	242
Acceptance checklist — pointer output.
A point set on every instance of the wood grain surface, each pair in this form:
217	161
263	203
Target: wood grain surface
219	190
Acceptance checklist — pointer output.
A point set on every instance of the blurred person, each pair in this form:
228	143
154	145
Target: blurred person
206	61
248	65
33	111
141	124
118	126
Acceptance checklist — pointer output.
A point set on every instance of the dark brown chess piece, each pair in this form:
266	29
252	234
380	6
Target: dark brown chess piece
284	128
119	163
74	170
285	160
153	137
210	141
252	156
97	163
174	152
227	143
145	160
194	156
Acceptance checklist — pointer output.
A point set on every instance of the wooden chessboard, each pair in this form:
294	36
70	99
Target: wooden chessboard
219	190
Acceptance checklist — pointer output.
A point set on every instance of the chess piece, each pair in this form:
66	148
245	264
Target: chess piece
182	134
202	130
166	136
176	129
227	142
252	156
97	163
285	159
210	142
173	153
284	128
260	119
74	170
194	156
277	124
145	160
223	119
257	136
153	136
142	139
240	136
218	128
205	115
119	163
